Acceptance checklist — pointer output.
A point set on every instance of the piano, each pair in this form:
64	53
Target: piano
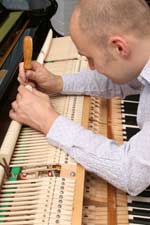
101	203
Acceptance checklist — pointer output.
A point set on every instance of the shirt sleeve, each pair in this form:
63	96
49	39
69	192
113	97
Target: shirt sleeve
90	82
125	166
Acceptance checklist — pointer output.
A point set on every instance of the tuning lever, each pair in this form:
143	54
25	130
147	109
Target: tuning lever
27	52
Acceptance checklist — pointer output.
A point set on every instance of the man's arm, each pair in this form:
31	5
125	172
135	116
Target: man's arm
90	82
125	166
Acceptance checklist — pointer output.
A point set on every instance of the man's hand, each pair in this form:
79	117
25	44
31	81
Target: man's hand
40	78
34	109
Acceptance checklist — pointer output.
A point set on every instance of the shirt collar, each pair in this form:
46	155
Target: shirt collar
144	76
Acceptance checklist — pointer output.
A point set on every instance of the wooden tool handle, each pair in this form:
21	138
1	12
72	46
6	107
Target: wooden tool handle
27	52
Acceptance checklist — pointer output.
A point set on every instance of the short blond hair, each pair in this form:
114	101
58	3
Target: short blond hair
101	18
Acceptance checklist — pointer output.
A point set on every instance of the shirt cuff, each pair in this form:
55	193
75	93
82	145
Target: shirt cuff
66	84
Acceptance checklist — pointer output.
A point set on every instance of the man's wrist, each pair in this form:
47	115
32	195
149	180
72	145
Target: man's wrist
47	124
57	85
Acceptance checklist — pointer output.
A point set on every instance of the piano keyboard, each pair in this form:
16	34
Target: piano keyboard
139	206
129	112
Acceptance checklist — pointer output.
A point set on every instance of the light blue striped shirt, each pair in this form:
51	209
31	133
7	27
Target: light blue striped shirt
126	166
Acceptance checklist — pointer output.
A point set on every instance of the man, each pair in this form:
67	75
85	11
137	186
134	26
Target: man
115	37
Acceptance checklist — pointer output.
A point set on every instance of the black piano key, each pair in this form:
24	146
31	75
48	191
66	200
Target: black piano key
145	193
130	120
140	213
132	98
138	204
130	108
140	210
140	221
130	132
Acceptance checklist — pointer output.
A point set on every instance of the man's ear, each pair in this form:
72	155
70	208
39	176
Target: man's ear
119	45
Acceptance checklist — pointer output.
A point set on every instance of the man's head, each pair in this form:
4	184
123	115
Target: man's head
111	34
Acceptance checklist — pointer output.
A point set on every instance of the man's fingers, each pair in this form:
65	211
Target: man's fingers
18	98
20	80
36	65
38	93
26	91
22	75
14	116
14	106
31	75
